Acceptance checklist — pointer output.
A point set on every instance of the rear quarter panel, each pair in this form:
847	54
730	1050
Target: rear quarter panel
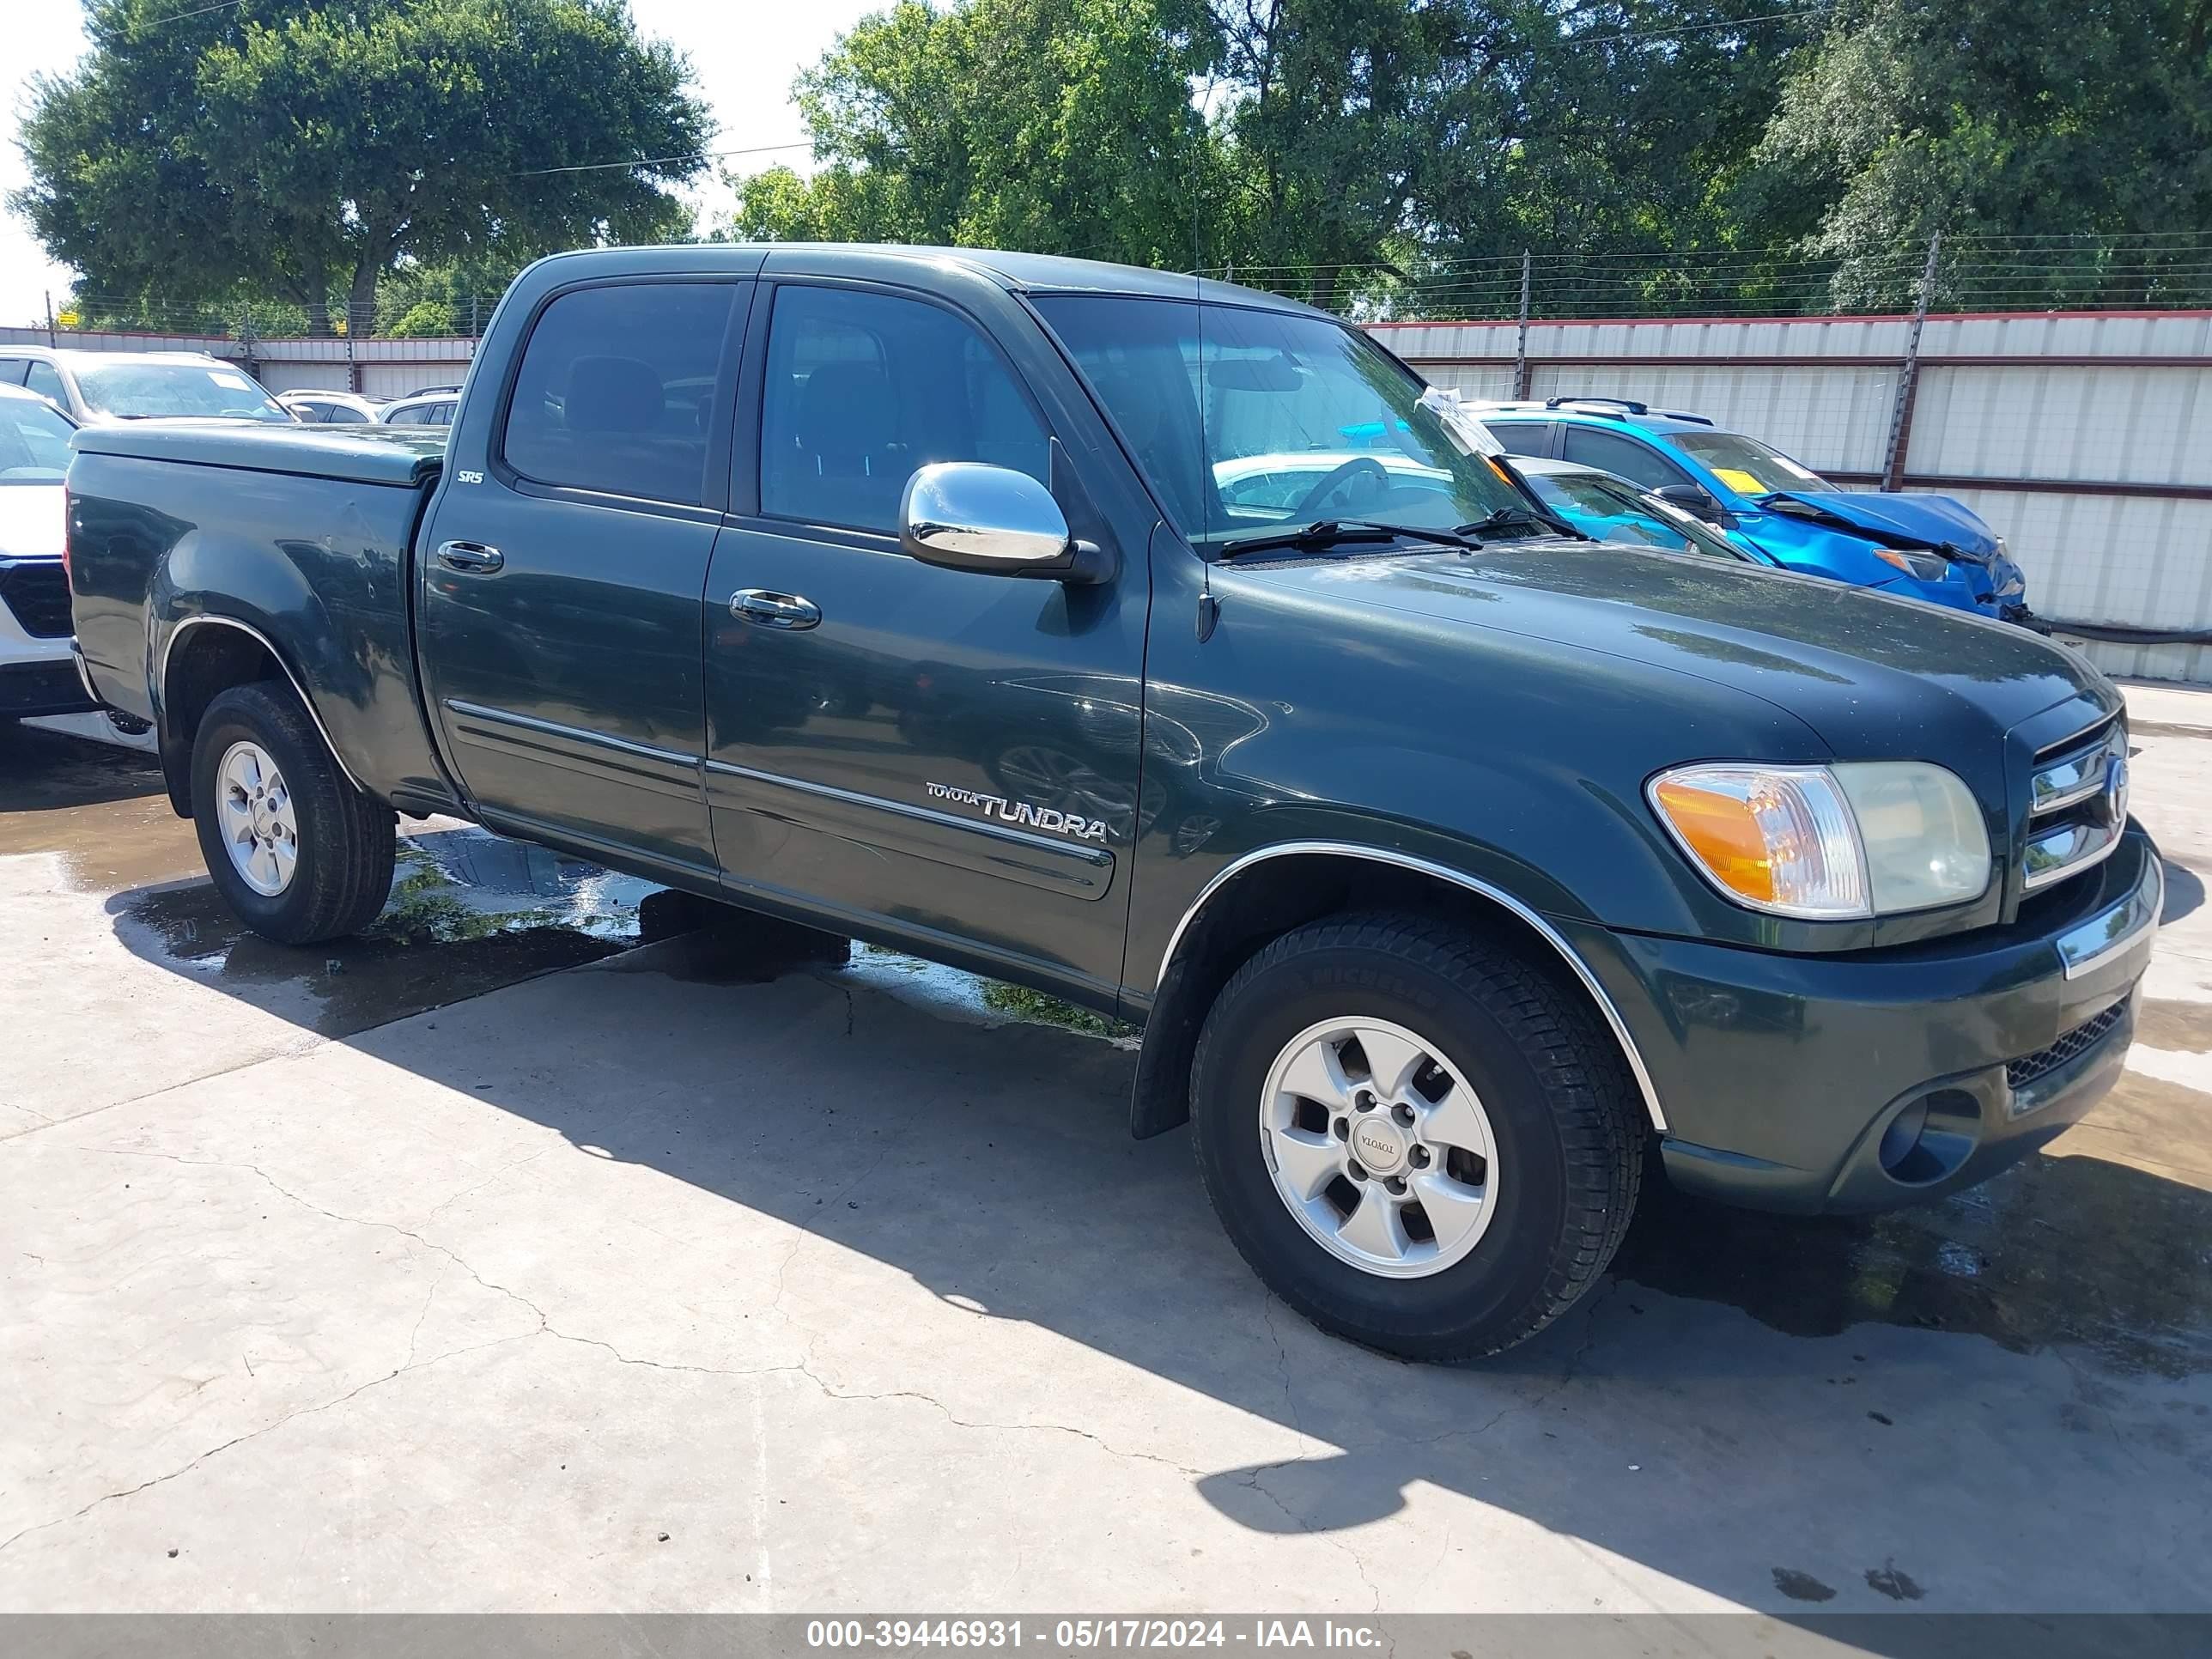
317	565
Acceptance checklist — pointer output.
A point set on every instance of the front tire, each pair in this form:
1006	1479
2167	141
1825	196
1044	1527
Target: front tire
1415	1137
297	852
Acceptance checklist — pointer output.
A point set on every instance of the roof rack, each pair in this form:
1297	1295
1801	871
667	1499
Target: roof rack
1607	406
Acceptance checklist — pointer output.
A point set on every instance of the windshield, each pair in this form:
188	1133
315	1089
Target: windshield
1244	421
1745	464
1617	511
146	391
34	441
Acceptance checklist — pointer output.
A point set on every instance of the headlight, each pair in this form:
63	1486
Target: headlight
1926	566
1829	842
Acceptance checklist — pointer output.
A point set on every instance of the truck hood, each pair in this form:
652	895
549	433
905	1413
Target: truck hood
31	520
1929	521
1874	677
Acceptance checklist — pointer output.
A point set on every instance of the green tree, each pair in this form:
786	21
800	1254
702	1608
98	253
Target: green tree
2002	122
313	151
1051	126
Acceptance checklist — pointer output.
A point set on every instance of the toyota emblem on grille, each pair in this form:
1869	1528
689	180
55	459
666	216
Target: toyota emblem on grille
2115	797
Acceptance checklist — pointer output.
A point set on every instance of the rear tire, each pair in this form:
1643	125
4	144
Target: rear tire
297	852
1532	1186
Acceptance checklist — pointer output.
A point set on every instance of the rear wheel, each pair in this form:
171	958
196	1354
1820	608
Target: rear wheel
294	849
1415	1137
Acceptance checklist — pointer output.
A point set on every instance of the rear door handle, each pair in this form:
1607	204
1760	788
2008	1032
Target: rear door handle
471	556
757	604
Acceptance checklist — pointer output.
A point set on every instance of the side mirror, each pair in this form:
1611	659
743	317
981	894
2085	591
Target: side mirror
1694	499
966	515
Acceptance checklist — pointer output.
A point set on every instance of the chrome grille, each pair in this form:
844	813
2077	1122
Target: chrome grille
2077	805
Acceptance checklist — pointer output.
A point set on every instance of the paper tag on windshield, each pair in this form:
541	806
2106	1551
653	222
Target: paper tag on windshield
1468	435
223	377
1739	481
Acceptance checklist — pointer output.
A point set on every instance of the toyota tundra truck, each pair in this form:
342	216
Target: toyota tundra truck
1168	648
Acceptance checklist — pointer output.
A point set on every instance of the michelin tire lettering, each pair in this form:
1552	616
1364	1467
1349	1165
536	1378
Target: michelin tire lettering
1020	812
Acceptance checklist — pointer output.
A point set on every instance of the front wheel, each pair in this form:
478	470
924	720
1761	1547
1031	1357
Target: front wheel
295	850
1416	1139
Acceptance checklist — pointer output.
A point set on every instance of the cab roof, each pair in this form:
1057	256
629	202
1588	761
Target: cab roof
1025	273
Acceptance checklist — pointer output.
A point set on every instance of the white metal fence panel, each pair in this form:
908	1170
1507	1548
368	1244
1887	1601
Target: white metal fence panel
2084	439
2068	421
1472	380
1835	417
301	377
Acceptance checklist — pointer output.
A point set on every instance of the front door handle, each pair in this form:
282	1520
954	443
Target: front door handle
757	604
471	556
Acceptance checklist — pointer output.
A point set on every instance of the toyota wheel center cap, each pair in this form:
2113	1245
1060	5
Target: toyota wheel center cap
1379	1144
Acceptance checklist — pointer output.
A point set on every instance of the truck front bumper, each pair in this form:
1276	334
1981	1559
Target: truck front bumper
1879	1079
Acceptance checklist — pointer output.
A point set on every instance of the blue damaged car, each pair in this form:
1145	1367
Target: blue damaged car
1923	547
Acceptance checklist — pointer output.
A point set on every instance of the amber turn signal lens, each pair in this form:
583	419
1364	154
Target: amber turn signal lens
1723	834
1777	838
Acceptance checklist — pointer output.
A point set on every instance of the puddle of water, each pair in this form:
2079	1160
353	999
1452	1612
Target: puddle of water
2060	1249
102	808
469	914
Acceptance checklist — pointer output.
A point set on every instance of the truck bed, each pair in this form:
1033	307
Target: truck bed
403	457
295	536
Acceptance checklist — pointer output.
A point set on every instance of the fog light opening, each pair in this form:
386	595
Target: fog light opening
1930	1138
1902	1138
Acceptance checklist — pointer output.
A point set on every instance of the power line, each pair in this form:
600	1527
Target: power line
657	161
200	11
1691	28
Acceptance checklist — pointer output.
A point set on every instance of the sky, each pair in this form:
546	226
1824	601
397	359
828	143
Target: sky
744	53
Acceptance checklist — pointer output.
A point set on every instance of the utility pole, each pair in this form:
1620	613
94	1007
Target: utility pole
1908	376
51	339
1521	346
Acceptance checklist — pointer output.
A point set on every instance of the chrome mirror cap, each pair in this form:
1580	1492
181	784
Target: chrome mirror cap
971	516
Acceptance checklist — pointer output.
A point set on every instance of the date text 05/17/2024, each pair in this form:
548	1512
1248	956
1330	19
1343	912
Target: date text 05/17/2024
1082	1635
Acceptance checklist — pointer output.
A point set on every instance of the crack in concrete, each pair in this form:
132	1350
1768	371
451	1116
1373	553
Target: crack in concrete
546	1328
351	1393
1358	1564
291	1050
1283	1365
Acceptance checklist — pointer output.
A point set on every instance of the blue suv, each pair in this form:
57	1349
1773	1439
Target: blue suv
1925	547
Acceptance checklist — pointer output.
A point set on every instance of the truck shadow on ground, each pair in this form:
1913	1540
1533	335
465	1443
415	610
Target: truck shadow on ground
993	1166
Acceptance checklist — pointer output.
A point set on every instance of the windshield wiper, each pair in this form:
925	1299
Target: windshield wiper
1325	533
1518	517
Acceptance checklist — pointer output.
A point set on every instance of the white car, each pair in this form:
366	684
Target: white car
39	676
331	408
96	388
434	410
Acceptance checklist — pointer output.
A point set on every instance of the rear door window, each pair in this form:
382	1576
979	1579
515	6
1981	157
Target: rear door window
47	381
1523	437
342	414
1609	452
618	388
864	388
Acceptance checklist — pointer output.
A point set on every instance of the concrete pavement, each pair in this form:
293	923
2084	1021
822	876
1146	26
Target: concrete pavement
626	1287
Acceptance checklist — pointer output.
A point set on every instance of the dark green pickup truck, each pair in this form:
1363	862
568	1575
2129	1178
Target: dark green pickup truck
1171	648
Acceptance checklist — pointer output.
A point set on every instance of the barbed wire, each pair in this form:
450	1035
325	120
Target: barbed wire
1974	272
